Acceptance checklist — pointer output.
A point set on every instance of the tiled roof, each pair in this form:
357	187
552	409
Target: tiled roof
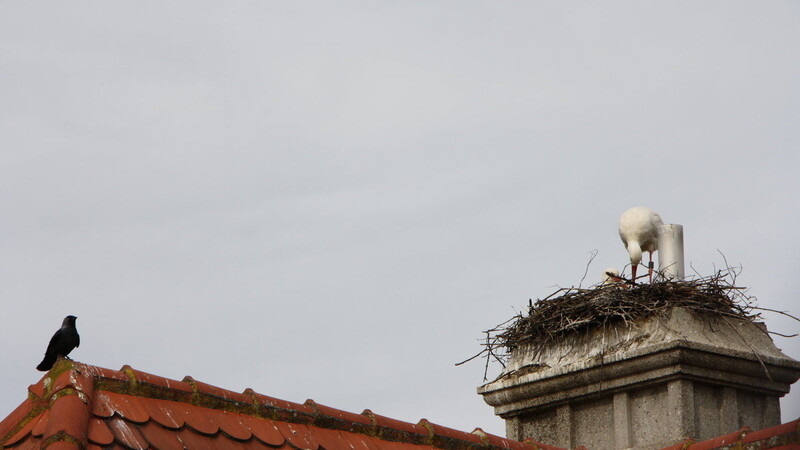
81	406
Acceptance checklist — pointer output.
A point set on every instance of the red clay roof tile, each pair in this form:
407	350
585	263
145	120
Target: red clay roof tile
37	390
721	441
29	444
41	423
363	442
198	419
132	409
69	414
501	442
102	405
330	439
129	407
252	444
193	440
298	435
388	445
542	446
67	379
23	433
99	433
265	431
160	437
233	425
681	445
162	413
127	433
766	433
63	445
15	418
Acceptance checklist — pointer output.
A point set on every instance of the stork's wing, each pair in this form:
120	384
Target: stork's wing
77	339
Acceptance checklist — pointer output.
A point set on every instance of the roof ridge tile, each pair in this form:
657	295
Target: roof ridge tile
329	417
778	430
128	372
199	387
137	377
424	423
100	372
275	408
70	406
62	440
451	433
501	442
397	430
724	440
370	415
484	437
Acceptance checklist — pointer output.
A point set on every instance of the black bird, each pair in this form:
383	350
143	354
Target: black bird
65	339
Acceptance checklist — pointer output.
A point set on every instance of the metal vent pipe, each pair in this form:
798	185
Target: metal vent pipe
670	252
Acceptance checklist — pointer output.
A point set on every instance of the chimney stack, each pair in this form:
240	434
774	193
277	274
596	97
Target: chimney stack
649	384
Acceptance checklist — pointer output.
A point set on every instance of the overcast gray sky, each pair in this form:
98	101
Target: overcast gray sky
331	200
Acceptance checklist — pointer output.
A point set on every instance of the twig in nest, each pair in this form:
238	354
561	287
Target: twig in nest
574	310
589	263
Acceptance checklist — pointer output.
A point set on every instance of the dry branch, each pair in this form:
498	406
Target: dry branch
574	310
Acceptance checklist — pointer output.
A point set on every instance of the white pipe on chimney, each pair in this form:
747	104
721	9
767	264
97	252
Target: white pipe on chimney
670	251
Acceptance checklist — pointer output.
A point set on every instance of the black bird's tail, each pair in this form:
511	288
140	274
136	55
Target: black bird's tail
47	363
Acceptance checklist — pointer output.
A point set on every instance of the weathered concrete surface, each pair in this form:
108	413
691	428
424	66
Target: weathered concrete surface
644	385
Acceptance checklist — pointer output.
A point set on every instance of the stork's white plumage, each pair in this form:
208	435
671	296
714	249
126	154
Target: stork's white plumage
638	228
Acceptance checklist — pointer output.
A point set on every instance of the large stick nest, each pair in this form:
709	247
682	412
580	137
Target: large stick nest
569	311
573	310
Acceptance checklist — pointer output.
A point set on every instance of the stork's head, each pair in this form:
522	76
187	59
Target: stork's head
635	252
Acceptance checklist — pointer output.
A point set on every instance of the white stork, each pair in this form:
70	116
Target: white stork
610	276
638	228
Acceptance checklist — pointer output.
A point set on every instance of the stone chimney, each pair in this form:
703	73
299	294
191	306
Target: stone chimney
644	385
